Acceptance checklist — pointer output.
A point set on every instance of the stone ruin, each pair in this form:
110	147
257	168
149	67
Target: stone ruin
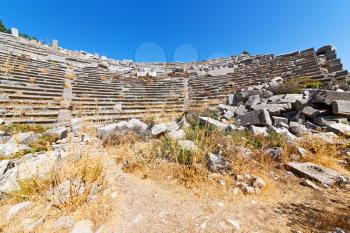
51	85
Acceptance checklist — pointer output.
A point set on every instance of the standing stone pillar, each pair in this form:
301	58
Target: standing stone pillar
54	44
14	32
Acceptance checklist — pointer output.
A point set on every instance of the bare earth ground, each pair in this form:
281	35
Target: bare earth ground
148	206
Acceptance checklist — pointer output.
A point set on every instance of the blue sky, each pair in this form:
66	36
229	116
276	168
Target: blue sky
184	30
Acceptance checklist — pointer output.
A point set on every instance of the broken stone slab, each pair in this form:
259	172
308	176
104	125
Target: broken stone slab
104	132
277	120
241	110
326	120
318	173
298	128
327	97
27	168
257	117
252	101
161	128
275	99
328	137
83	226
229	114
285	132
15	209
8	149
5	165
188	145
24	138
213	123
309	111
299	104
223	107
341	107
59	132
217	163
176	134
137	125
256	130
312	126
63	223
273	109
292	98
275	153
310	184
339	128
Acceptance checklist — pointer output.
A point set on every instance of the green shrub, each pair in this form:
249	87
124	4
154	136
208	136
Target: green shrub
295	85
20	128
171	150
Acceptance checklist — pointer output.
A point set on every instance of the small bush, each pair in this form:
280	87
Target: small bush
295	85
19	128
42	144
171	150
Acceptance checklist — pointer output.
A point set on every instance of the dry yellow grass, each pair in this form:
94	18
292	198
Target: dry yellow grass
82	166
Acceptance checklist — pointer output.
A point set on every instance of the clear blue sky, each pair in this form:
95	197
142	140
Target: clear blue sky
184	29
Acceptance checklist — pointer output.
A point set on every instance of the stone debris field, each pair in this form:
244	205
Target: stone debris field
247	143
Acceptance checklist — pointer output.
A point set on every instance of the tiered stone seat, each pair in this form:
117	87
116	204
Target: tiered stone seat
97	95
40	84
31	91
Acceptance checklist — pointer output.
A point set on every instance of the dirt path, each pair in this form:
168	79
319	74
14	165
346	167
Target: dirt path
147	206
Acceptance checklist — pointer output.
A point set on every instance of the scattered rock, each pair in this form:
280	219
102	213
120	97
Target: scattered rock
260	117
64	223
15	209
256	130
161	128
83	226
298	128
188	145
339	128
273	109
4	166
106	131
176	134
318	173
213	123
235	224
216	163
275	153
341	107
24	138
310	184
8	149
59	132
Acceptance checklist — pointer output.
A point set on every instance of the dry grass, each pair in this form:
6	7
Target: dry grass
323	153
81	168
164	160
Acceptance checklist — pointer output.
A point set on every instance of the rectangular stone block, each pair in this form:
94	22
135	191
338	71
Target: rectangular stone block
318	173
259	117
327	97
273	109
341	107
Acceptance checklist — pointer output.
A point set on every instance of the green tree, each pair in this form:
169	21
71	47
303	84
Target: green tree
2	27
